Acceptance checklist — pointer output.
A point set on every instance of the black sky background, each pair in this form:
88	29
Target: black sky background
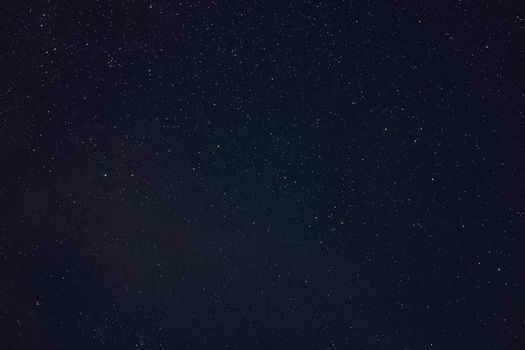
262	175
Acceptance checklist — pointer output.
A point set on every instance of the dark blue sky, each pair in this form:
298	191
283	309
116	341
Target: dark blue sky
262	175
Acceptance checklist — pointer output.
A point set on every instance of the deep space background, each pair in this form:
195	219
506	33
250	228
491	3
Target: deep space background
262	174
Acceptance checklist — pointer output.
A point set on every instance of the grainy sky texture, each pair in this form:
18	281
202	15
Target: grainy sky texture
262	175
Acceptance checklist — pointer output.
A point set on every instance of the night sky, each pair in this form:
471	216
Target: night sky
262	175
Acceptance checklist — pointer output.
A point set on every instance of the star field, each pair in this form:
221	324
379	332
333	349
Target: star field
262	175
